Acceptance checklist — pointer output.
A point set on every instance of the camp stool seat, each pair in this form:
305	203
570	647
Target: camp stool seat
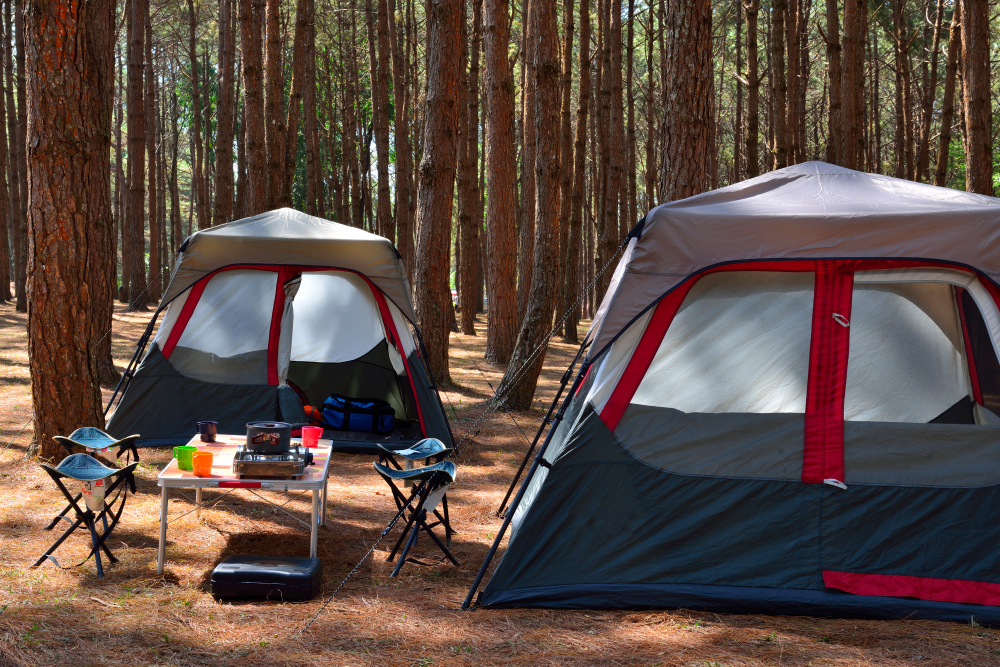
97	442
86	468
430	489
426	449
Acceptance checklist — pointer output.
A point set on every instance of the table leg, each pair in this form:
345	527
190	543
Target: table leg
160	553
197	503
314	534
322	520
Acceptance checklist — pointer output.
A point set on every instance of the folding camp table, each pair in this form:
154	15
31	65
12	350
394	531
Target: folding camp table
224	449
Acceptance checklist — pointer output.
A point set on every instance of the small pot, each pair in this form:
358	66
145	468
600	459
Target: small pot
269	437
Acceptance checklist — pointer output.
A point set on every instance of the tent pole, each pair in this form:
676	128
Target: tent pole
430	377
524	487
538	434
126	377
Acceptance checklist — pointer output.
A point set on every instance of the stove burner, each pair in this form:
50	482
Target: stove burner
284	465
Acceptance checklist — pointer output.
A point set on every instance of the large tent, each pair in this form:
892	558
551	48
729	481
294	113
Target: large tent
282	300
788	405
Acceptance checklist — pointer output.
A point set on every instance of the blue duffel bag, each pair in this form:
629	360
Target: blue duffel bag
362	414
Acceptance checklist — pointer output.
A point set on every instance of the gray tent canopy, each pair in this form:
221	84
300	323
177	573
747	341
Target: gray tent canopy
267	314
789	405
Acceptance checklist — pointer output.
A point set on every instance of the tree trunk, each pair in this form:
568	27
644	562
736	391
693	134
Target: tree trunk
136	162
71	55
738	144
976	84
571	285
780	9
688	122
251	27
948	101
274	117
5	240
294	103
904	121
649	175
753	91
224	134
927	103
852	95
792	38
469	205
833	123
19	153
566	150
175	193
198	177
526	230
310	126
544	68
378	39
437	182
153	278
501	184
401	135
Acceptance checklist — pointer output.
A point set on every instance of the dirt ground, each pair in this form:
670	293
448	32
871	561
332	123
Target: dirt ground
50	616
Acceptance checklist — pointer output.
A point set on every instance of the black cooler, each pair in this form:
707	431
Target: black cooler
284	579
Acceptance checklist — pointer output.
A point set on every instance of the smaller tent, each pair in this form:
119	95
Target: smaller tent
260	307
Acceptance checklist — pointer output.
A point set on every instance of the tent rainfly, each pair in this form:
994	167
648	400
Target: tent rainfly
788	406
280	299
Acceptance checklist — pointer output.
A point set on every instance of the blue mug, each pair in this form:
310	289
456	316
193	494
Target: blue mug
208	431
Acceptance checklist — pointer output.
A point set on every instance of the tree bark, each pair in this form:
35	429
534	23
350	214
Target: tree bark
198	184
224	133
688	110
852	96
792	39
976	83
314	189
294	102
948	100
136	162
571	285
251	28
526	230
753	91
401	136
378	40
780	82
545	72
437	182
175	194
5	240
501	184
469	204
20	150
71	56
566	150
274	117
833	123
153	278
904	120
927	103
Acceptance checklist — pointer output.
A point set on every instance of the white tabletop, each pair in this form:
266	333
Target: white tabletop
224	449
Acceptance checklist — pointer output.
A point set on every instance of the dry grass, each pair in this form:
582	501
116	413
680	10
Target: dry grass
134	617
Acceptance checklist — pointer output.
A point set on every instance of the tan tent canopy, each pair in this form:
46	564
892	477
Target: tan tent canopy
809	211
292	238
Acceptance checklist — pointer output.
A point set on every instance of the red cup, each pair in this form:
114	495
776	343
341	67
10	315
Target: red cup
311	435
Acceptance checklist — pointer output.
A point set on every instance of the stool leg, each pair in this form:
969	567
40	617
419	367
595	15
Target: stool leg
63	513
402	556
97	551
55	545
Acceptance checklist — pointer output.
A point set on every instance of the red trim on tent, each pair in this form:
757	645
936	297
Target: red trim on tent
195	296
274	334
977	392
922	588
823	455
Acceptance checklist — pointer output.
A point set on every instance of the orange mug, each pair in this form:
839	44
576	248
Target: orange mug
202	464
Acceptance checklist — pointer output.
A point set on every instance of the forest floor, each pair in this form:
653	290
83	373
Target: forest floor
50	616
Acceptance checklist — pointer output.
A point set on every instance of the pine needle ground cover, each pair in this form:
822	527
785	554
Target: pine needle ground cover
134	617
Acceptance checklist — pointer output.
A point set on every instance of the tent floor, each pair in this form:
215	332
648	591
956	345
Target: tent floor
737	600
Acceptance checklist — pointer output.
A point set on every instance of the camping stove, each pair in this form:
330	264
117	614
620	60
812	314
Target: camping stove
284	465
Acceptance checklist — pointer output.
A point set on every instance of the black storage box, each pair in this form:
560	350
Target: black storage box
283	579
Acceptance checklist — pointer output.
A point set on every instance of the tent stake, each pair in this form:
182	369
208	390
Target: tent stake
524	487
